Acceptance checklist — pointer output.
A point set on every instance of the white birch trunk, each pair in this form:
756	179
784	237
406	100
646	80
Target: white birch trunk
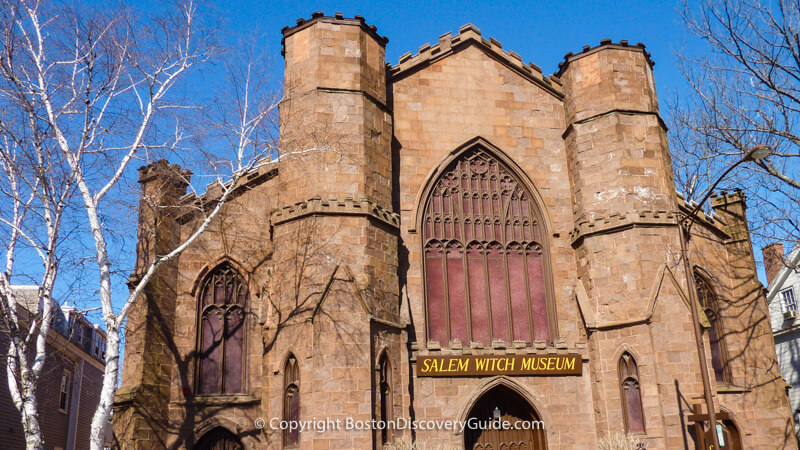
110	380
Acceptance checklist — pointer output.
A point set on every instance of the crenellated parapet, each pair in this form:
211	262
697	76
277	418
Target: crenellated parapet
337	19
604	44
346	207
471	35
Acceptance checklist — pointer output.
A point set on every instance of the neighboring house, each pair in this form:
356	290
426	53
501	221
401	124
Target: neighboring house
70	383
783	280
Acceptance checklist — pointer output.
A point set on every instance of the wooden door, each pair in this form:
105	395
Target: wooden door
503	403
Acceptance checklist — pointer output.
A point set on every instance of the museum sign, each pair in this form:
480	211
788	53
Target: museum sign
487	365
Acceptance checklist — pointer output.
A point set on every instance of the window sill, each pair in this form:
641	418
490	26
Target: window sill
209	400
724	388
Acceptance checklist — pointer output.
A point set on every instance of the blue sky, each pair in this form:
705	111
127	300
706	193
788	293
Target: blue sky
541	32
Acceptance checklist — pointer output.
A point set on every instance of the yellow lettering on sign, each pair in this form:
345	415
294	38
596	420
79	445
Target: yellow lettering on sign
426	365
550	362
482	363
526	364
463	365
451	366
570	364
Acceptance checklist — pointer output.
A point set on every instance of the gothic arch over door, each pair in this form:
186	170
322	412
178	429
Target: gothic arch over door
505	404
219	439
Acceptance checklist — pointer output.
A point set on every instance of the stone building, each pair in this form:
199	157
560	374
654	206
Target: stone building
453	237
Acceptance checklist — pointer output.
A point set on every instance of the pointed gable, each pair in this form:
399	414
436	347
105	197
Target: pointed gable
470	36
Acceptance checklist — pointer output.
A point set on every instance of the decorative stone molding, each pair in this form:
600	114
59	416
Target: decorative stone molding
317	206
537	348
615	222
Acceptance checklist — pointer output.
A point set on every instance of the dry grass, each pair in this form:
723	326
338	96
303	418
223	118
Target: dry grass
620	441
405	443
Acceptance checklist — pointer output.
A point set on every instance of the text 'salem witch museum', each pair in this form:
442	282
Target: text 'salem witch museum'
453	236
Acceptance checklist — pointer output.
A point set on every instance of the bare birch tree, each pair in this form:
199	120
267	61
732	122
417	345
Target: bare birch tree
744	92
85	96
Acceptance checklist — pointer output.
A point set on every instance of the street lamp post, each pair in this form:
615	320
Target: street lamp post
754	154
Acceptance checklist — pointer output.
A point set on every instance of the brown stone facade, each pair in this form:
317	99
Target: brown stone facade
329	242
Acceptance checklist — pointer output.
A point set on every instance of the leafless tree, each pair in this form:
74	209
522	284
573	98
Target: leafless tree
85	96
744	91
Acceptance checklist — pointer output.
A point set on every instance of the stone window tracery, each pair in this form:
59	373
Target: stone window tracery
223	298
483	255
631	394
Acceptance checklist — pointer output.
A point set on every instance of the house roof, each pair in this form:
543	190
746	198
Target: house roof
783	273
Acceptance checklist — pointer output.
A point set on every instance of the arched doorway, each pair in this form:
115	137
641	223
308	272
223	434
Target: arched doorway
506	405
219	439
728	434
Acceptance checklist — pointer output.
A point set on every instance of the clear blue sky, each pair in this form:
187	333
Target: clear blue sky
541	32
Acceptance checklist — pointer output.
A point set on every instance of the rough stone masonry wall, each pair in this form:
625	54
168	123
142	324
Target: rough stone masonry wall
239	236
334	232
458	92
756	396
620	172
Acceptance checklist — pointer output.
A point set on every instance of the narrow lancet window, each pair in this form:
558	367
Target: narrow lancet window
291	400
631	394
719	354
385	391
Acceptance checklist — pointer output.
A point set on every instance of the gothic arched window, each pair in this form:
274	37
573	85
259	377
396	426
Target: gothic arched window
631	394
483	250
710	304
385	400
223	298
291	399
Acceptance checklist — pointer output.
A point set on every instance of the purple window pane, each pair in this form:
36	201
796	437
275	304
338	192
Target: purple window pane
497	293
434	276
541	328
292	405
519	294
234	345
477	295
633	402
458	301
210	351
219	293
716	353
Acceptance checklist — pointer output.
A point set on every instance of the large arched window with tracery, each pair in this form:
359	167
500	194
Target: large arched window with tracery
719	352
223	298
483	251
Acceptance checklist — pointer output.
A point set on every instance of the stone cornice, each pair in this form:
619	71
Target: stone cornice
616	222
630	112
471	35
316	206
518	348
